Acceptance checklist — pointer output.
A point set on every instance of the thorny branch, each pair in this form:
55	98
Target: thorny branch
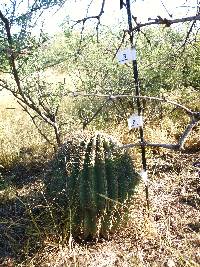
178	146
166	22
97	17
48	117
11	53
33	118
120	45
86	122
187	36
151	98
84	20
157	21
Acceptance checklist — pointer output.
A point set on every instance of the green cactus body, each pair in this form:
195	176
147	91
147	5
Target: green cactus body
123	182
132	176
90	183
87	191
111	172
73	182
112	188
100	176
57	178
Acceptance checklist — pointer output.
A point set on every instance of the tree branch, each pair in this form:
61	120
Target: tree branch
34	122
146	144
11	52
166	22
98	17
187	36
179	146
86	122
151	98
194	121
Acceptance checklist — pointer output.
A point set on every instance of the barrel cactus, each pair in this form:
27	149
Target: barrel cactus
89	181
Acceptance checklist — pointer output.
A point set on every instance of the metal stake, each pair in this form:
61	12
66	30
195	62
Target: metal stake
139	106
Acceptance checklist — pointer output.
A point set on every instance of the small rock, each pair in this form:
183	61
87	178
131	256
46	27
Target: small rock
170	263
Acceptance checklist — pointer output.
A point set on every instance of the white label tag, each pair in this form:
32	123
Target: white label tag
135	121
126	55
144	176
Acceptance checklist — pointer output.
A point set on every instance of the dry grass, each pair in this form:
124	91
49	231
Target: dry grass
18	137
169	237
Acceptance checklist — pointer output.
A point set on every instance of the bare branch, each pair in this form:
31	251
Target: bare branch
167	146
180	146
187	36
11	52
34	122
86	122
151	98
166	22
194	121
98	17
119	46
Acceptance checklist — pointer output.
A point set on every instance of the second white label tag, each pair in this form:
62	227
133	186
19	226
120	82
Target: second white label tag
135	121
